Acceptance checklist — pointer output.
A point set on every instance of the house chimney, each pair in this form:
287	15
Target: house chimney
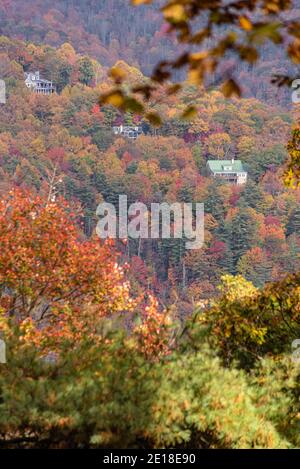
232	160
37	75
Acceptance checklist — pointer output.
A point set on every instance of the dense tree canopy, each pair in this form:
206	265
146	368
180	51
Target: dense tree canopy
130	342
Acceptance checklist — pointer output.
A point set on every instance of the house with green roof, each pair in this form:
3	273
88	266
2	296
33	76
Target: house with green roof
231	171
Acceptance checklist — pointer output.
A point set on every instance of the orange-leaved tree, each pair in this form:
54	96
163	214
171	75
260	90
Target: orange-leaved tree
58	285
49	277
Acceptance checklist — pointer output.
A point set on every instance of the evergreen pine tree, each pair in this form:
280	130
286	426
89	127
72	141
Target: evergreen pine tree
226	262
214	202
242	234
252	195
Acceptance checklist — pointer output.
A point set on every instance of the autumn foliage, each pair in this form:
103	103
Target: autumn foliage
140	342
57	285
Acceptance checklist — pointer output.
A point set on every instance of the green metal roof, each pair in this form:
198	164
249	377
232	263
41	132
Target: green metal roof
222	166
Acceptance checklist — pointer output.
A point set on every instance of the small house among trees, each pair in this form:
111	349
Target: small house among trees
129	131
230	170
38	84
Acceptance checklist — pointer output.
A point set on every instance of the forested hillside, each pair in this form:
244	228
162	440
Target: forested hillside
110	30
142	343
252	230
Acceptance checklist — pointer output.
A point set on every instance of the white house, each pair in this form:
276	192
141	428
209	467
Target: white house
129	131
230	170
38	84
